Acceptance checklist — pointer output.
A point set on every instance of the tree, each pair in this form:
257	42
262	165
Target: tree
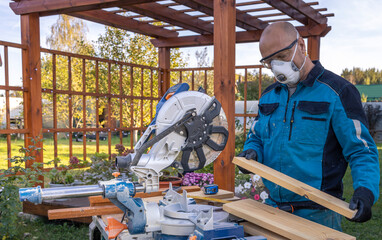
120	45
365	77
252	85
67	34
202	58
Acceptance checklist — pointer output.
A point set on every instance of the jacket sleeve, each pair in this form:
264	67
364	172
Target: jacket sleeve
253	139
358	147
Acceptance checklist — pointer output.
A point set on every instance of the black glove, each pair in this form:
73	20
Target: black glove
362	200
249	154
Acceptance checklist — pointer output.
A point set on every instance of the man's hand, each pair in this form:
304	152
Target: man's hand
248	154
362	200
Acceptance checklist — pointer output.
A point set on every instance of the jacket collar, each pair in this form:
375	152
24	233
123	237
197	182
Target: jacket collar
314	74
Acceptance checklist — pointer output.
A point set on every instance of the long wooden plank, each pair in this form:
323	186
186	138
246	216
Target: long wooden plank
281	222
243	19
91	211
307	10
288	10
53	7
82	212
241	37
255	230
30	36
296	186
224	85
43	209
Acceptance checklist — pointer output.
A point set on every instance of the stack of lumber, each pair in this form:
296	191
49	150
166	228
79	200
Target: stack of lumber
273	223
276	224
297	187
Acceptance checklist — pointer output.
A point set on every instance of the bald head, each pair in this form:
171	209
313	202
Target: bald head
280	35
277	36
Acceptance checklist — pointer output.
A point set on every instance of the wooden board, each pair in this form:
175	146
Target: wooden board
255	230
44	208
296	186
281	222
112	209
82	212
100	201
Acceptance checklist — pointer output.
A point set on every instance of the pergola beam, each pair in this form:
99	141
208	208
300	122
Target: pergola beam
241	37
165	14
53	7
308	11
224	86
243	19
114	20
288	10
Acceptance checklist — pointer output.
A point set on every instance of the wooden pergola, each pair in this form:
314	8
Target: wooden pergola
176	23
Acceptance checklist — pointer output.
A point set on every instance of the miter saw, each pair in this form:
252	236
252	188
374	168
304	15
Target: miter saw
188	132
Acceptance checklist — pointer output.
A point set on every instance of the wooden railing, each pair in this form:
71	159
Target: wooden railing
88	98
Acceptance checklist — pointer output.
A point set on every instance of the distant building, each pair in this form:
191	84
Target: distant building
373	92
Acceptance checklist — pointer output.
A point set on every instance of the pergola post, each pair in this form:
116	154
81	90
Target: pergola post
314	47
224	85
30	36
164	65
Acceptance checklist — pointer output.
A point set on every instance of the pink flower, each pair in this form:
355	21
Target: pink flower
74	160
256	197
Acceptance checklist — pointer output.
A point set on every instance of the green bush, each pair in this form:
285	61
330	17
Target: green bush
11	179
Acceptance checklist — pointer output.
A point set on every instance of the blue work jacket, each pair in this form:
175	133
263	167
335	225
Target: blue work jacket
313	135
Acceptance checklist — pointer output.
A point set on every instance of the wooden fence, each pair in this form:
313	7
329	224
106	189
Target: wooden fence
89	104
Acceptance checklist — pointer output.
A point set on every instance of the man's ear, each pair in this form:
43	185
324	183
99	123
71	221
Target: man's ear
301	45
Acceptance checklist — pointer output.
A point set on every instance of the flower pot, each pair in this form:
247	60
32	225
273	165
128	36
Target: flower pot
176	181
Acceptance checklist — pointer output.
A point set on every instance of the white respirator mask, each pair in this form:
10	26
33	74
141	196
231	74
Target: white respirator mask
287	72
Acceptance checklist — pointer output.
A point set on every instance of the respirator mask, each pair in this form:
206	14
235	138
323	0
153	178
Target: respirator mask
286	72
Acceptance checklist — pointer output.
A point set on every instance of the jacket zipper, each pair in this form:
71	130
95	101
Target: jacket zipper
286	109
292	120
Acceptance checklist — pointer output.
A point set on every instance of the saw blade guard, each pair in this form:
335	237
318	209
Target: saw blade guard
189	132
202	139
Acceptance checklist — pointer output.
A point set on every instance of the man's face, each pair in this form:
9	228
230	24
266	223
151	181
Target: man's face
276	47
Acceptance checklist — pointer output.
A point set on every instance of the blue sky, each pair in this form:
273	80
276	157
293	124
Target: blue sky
355	38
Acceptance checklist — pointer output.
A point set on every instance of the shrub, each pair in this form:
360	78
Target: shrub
10	180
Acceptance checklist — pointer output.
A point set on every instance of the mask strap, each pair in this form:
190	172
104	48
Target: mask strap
294	53
303	63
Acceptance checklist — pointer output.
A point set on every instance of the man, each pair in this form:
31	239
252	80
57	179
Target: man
310	126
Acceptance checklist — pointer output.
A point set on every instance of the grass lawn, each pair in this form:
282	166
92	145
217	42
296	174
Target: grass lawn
62	147
46	230
373	228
